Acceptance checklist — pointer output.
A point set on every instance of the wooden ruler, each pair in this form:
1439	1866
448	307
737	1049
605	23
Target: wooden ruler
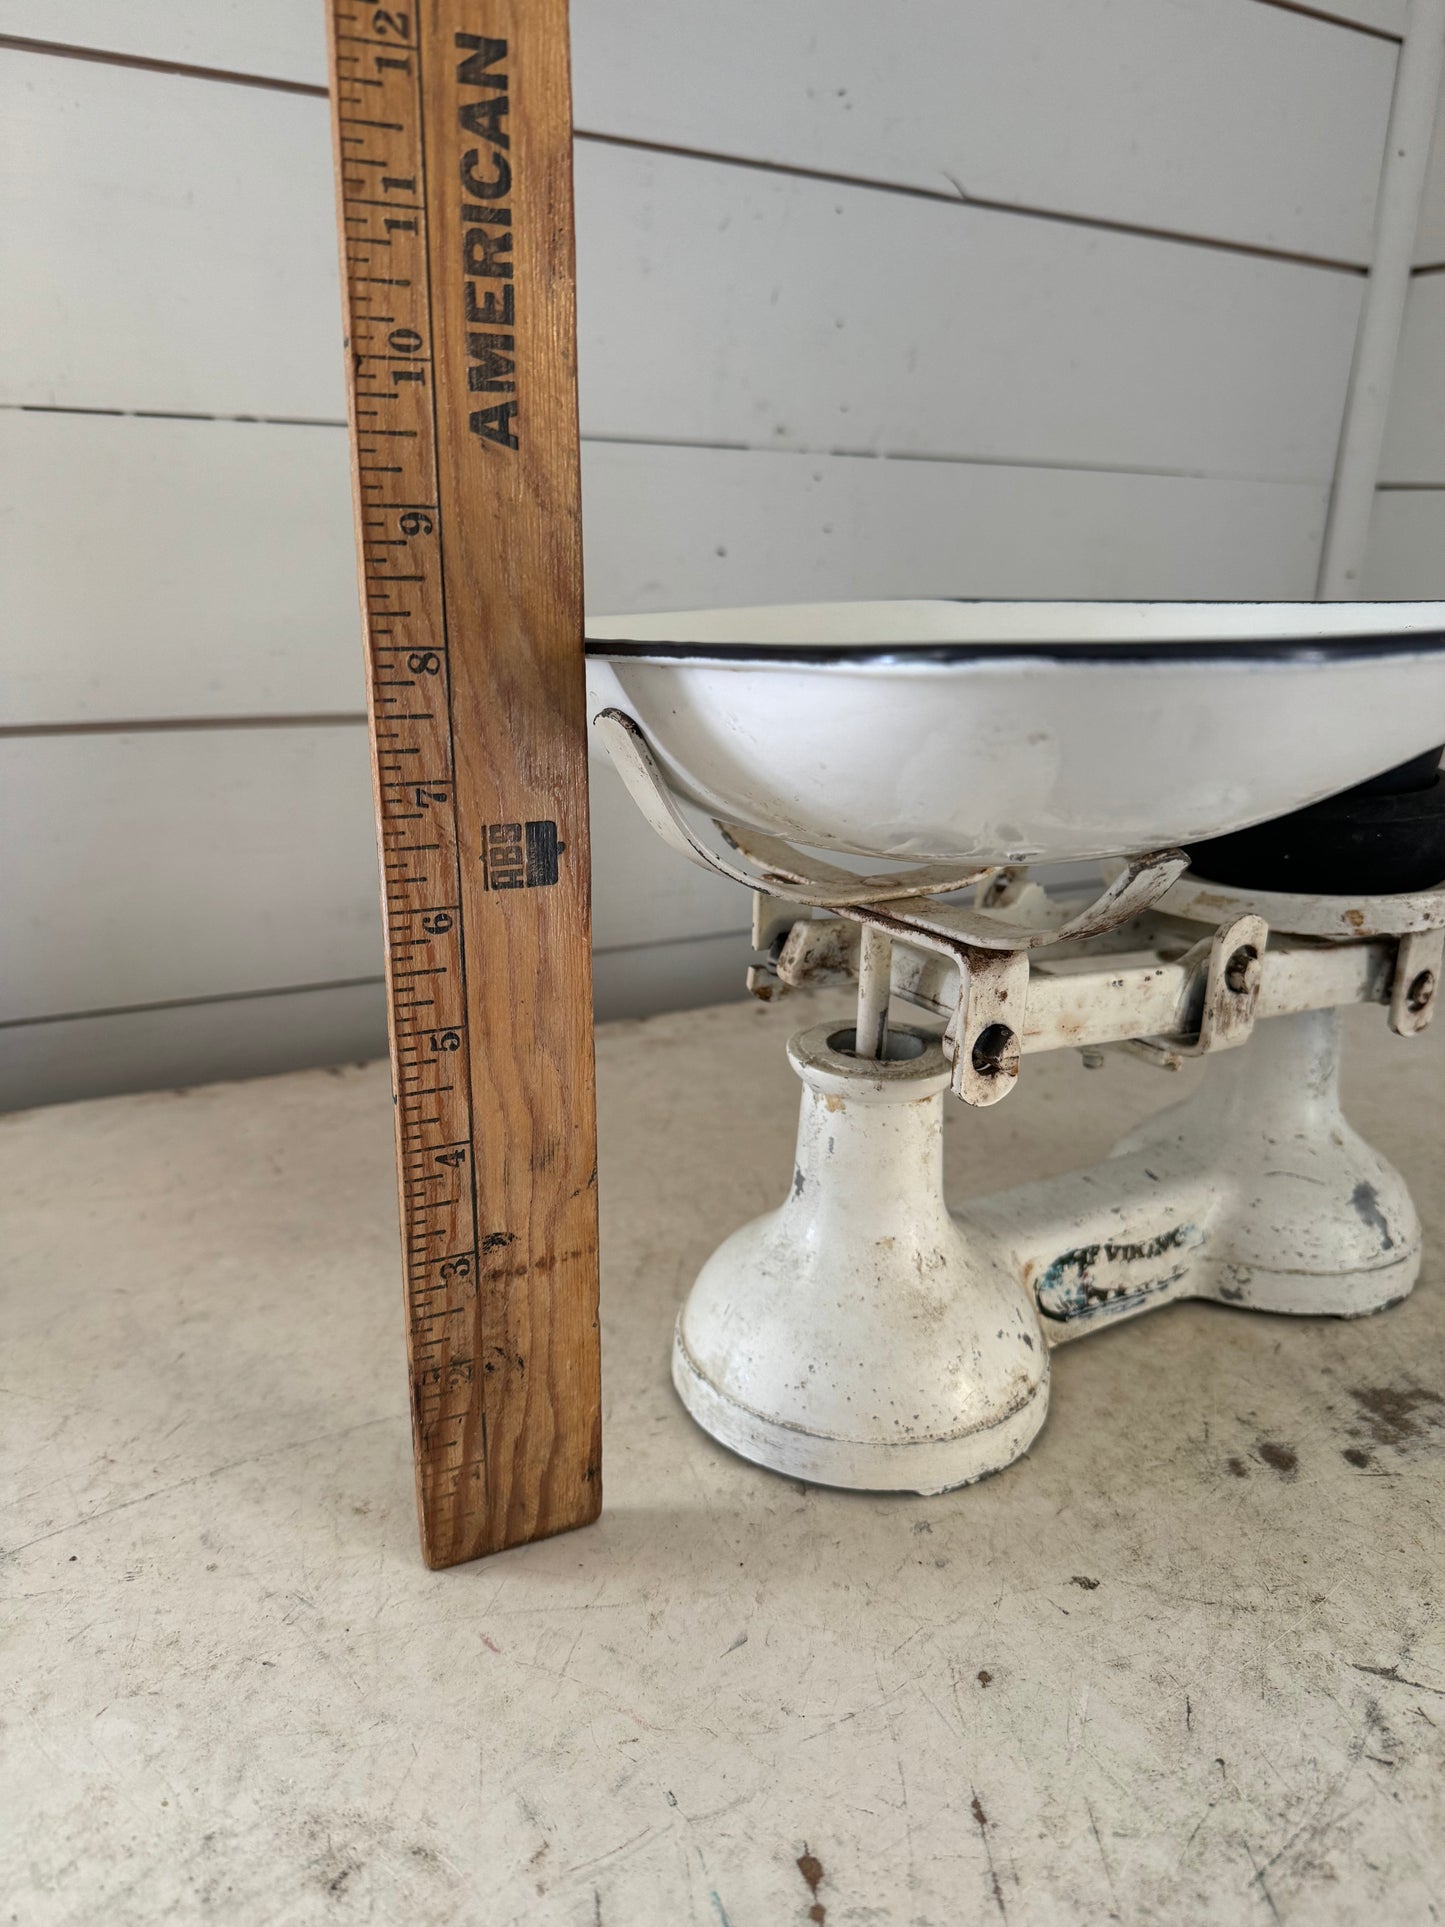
454	168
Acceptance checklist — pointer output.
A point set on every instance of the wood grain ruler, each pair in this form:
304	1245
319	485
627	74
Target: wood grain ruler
453	142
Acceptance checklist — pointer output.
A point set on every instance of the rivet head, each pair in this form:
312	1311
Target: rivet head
1421	990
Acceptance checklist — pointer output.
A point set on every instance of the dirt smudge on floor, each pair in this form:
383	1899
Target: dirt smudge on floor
1399	1415
811	1868
981	1820
1279	1458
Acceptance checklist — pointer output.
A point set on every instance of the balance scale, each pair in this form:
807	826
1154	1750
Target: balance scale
864	1334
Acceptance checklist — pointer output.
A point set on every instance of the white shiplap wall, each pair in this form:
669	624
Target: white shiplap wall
1048	298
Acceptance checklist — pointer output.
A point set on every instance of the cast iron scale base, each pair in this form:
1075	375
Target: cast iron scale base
866	1335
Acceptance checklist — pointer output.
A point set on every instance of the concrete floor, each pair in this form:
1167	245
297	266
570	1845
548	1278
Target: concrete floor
1184	1663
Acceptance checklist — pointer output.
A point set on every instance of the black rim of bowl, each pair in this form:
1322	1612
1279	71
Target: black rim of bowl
1279	649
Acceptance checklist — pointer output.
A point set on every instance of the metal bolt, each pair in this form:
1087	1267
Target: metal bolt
1237	972
1093	1060
1421	990
996	1052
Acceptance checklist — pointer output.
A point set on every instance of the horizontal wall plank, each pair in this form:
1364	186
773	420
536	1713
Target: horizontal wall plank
1109	109
1226	119
717	304
280	39
1415	438
199	1043
732	305
175	569
164	866
273	39
156	866
1406	555
188	569
681	975
170	243
235	1037
698	528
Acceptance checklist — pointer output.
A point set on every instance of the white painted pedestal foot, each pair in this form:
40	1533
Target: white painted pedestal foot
1312	1220
855	1337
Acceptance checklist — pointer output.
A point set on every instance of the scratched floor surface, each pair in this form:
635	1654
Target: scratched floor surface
1184	1663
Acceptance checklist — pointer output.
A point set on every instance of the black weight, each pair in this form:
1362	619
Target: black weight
1381	838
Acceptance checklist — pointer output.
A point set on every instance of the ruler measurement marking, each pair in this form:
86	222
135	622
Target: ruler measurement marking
441	536
418	1091
396	167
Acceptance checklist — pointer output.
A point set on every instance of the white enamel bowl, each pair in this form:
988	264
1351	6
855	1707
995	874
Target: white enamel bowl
1023	731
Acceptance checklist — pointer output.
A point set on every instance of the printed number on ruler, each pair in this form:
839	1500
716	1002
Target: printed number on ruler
382	166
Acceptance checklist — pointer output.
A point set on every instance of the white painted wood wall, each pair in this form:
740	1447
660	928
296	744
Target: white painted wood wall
970	297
